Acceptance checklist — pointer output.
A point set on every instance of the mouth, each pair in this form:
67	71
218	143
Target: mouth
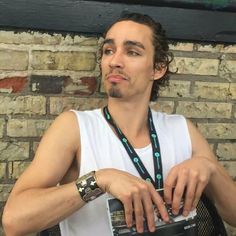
113	78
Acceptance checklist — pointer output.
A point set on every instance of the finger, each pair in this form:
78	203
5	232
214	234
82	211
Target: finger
200	188
190	193
149	210
169	184
159	203
179	190
128	207
138	212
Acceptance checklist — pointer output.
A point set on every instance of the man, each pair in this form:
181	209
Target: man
121	143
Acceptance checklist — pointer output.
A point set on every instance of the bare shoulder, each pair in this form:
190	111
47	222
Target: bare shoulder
55	154
63	133
200	146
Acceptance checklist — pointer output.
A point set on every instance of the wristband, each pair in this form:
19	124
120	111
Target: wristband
87	187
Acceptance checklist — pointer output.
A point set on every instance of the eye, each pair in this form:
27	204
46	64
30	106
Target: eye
133	53
107	51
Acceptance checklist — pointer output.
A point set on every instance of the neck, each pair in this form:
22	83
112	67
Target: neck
132	120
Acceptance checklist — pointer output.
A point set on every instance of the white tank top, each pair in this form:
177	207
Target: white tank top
101	148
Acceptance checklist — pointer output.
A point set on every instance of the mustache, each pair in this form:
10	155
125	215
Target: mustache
117	72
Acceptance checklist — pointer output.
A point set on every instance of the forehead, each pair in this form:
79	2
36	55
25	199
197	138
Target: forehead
129	30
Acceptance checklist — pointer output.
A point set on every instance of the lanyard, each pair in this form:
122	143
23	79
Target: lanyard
158	181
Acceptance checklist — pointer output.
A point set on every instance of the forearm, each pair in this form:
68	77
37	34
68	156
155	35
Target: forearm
37	209
222	190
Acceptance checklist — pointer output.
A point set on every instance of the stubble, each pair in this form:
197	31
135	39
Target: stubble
114	91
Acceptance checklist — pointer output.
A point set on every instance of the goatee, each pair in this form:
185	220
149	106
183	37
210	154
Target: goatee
114	92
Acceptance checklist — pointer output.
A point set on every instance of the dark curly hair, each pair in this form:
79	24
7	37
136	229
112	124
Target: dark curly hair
162	56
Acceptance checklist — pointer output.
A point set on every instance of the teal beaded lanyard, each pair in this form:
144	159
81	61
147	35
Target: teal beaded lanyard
158	182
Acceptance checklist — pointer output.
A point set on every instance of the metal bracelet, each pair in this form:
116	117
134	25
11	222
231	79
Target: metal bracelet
87	187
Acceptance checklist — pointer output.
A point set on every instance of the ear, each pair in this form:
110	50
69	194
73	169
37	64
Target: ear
159	72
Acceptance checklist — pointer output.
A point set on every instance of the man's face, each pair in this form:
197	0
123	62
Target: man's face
127	60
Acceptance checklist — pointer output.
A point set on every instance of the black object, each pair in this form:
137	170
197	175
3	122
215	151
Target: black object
208	220
198	20
179	226
209	223
53	231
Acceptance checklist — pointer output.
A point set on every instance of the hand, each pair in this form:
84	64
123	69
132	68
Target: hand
188	178
137	196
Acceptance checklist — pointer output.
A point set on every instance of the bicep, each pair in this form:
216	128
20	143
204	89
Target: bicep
54	155
200	146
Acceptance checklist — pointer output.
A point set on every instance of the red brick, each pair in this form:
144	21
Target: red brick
84	87
17	83
91	83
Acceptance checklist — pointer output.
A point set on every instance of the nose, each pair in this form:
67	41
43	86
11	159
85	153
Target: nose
116	60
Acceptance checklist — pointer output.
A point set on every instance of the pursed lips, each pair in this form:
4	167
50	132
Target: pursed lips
115	78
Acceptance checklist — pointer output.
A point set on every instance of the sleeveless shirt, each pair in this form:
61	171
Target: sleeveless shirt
101	148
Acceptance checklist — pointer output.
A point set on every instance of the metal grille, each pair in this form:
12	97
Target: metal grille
209	222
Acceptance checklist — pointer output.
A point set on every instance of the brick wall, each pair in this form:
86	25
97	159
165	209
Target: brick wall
41	75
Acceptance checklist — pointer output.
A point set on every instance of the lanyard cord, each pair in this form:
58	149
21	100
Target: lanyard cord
158	181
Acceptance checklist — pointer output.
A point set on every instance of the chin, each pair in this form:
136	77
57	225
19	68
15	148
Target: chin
114	93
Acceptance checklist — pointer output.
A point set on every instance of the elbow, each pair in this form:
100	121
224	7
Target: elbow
228	217
9	223
231	222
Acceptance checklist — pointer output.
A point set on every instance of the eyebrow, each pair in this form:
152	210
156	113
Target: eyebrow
134	43
126	43
108	41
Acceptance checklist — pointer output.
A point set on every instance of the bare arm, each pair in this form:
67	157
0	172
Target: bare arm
221	189
201	173
36	202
